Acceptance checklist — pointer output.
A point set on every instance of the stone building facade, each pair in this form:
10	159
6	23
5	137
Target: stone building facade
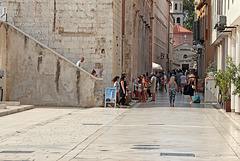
226	43
75	29
184	57
35	74
114	36
137	38
202	33
181	35
160	32
177	11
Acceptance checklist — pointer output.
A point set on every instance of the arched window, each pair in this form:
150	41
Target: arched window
175	6
178	20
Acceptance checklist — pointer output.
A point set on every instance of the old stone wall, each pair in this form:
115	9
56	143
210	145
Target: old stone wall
74	29
160	26
117	38
35	74
138	38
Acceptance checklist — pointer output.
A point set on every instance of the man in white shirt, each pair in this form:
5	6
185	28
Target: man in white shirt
79	63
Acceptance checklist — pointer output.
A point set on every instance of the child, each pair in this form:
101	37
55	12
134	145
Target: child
172	85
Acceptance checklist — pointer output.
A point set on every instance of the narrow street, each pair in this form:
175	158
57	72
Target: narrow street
150	131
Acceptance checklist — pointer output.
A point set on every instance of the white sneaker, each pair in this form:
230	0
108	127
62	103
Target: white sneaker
190	102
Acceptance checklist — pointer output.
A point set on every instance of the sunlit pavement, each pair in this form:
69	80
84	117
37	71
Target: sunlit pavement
148	131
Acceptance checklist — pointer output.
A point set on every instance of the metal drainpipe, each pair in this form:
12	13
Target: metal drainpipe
168	67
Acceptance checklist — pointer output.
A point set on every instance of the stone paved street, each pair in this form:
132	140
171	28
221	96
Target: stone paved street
151	131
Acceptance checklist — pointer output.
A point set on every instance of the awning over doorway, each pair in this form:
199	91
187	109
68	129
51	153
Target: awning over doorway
156	66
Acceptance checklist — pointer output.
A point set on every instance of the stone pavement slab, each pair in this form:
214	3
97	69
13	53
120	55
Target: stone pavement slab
150	131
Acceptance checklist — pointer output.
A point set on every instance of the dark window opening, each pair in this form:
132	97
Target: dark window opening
178	20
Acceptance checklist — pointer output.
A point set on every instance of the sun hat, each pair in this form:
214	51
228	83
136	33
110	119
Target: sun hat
192	76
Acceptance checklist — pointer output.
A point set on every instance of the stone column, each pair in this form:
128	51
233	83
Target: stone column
229	53
233	55
237	99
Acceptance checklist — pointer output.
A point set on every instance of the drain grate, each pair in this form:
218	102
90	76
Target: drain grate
104	150
177	154
146	147
157	124
92	124
16	152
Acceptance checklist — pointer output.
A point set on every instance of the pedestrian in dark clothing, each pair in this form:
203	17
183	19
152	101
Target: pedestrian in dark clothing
123	91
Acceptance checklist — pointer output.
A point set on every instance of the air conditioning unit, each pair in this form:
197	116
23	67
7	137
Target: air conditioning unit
221	23
222	20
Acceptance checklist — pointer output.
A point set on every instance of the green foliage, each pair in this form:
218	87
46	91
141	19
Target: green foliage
212	67
235	71
188	11
224	79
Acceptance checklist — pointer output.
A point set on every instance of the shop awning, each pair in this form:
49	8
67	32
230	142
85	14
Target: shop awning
156	66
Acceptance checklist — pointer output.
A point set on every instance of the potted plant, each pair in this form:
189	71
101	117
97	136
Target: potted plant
235	71
223	81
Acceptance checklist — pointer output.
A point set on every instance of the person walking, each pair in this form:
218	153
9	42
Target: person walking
164	82
145	87
153	87
172	89
123	91
192	84
94	73
140	91
177	78
183	79
116	85
79	63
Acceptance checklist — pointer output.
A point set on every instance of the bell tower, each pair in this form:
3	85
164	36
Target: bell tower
177	11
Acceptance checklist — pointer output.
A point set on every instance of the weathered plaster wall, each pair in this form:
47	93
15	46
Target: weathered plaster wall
74	29
37	75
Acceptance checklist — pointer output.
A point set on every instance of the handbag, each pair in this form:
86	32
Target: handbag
147	85
187	90
196	99
193	87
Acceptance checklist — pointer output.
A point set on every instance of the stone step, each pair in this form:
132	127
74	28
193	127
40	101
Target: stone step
10	103
3	106
14	109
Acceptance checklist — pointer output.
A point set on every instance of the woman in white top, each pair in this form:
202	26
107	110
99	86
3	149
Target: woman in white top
117	87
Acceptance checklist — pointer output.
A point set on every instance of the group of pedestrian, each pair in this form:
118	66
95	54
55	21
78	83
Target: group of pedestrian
146	87
120	84
179	81
161	82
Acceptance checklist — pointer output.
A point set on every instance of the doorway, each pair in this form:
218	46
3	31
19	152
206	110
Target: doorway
185	67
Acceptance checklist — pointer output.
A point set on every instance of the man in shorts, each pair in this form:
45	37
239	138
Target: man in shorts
183	79
153	87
